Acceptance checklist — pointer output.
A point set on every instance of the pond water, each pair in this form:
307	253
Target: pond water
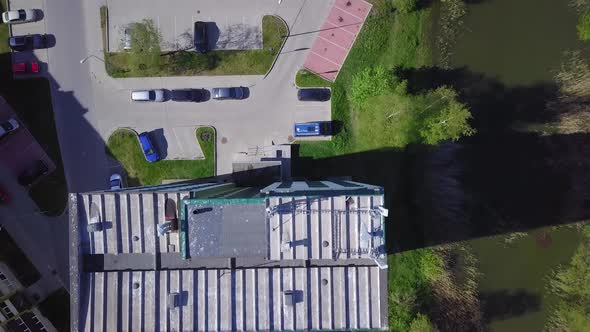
513	285
518	43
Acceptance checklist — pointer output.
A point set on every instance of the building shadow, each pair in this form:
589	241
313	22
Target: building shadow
500	180
505	304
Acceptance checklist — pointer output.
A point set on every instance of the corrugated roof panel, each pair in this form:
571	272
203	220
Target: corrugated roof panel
244	299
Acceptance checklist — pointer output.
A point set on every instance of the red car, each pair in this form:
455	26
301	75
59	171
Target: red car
21	67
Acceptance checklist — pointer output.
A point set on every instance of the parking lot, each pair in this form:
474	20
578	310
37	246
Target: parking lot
175	143
19	149
31	28
228	29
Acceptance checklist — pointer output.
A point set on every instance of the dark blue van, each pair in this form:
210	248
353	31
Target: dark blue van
148	148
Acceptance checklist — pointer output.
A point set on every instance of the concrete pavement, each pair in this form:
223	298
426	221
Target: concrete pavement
230	26
266	117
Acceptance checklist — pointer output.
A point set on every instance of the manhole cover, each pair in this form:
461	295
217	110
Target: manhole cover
223	140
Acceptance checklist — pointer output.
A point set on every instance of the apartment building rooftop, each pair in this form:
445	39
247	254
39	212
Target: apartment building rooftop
290	256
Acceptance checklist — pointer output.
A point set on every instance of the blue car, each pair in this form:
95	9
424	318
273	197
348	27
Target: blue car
148	148
307	129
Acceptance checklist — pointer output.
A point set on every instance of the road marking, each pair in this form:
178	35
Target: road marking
347	12
331	42
341	28
312	51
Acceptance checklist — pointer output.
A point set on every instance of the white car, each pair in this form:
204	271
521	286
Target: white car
157	95
8	126
19	16
116	181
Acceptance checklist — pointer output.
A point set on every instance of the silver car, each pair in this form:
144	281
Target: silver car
19	16
238	92
157	95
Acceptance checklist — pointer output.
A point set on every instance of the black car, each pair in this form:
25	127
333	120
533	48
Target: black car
315	94
32	173
194	95
28	42
201	39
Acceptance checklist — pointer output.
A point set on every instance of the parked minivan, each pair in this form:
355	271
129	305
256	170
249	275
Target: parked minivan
147	147
201	39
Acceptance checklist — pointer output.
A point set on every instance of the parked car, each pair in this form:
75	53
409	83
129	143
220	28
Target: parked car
23	67
147	147
229	93
313	94
7	127
28	42
201	38
116	181
127	38
19	16
313	129
32	173
157	95
194	95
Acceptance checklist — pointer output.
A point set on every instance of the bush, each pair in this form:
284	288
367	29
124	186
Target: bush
370	82
584	26
406	6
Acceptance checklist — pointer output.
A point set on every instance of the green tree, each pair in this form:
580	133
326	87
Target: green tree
584	26
572	284
406	6
370	82
446	118
145	54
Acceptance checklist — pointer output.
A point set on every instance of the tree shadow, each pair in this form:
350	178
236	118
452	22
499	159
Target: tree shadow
505	304
498	181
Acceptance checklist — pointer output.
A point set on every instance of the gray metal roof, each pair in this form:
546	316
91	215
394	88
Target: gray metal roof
343	227
340	298
130	222
321	247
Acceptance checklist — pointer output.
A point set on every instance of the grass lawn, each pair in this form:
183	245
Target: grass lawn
307	79
56	308
124	147
18	262
387	39
189	63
